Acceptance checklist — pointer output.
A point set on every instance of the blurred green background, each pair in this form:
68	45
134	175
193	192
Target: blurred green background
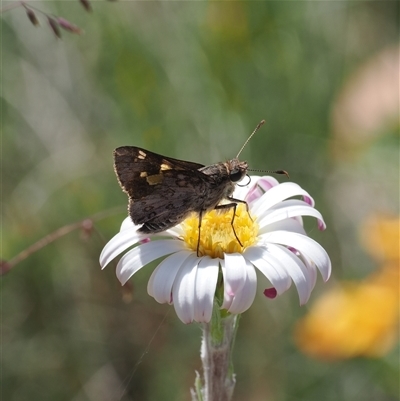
190	80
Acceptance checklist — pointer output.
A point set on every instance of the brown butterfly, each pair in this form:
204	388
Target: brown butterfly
163	191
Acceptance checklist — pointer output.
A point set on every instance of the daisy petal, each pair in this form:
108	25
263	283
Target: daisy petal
127	223
312	271
288	209
296	270
278	194
119	243
269	266
228	295
163	277
235	273
284	225
184	288
176	231
306	245
206	282
268	182
140	256
243	299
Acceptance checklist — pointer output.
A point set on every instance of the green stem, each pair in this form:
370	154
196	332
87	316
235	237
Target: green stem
216	350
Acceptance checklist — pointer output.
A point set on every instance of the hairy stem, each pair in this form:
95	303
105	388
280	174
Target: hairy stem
216	349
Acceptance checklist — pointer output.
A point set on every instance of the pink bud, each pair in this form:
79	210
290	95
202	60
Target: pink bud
270	292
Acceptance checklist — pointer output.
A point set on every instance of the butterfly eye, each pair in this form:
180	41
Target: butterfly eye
236	175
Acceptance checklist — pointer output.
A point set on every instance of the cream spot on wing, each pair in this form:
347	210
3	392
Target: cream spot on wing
154	179
143	174
142	155
164	167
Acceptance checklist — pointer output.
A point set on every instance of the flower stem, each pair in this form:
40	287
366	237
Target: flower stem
216	349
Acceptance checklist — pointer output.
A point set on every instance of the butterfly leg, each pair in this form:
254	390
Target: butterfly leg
241	201
198	239
230	206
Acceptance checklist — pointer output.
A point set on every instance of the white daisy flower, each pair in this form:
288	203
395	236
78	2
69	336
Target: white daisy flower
274	243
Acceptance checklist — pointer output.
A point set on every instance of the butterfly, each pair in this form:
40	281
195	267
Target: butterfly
164	191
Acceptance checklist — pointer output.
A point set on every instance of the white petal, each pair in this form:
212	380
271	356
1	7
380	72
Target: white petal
245	297
176	231
312	271
127	223
283	225
163	277
235	273
118	244
143	254
267	182
228	296
270	266
278	194
296	269
206	282
288	209
184	288
306	245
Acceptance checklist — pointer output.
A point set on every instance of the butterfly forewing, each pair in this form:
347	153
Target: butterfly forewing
139	170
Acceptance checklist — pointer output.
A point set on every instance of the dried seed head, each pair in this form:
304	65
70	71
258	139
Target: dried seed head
86	5
54	26
32	17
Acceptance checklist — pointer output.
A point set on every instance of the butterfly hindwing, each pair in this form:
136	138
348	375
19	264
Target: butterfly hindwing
182	192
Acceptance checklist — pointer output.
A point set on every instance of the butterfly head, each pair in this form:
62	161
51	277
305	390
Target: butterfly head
237	170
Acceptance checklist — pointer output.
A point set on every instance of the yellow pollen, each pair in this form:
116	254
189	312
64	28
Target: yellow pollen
217	234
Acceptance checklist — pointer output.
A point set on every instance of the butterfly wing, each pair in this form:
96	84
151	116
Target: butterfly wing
162	190
139	170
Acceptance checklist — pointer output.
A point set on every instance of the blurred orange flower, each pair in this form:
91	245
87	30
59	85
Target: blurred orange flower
358	318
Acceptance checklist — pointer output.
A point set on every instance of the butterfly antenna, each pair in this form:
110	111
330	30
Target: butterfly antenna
260	124
272	172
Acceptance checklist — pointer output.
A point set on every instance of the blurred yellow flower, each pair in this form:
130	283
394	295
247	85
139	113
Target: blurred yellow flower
358	318
380	236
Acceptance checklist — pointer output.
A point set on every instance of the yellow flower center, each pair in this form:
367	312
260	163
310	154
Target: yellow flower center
217	235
